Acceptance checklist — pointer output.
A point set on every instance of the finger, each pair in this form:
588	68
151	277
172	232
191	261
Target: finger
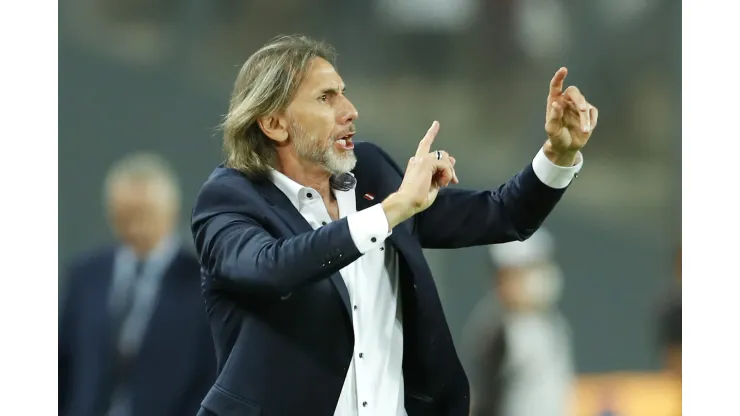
444	173
411	162
425	144
586	121
444	176
556	84
594	112
573	95
554	121
455	180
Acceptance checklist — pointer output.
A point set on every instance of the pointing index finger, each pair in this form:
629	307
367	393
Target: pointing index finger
425	145
556	84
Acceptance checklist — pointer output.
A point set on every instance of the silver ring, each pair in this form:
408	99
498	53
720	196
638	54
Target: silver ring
439	155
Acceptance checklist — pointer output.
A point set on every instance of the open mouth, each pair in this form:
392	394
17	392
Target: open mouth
345	142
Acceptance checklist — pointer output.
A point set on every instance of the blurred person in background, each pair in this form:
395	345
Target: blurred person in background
517	341
319	296
133	338
670	323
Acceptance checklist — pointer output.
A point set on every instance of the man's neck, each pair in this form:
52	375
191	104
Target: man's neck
145	252
314	177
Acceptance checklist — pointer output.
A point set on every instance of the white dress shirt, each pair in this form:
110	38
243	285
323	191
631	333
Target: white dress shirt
374	382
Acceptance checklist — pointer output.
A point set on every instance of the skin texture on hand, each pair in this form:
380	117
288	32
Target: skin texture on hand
569	121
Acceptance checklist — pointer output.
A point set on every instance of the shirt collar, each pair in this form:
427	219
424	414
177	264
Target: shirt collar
292	189
296	193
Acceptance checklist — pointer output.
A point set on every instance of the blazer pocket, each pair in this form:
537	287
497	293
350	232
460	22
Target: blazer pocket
223	403
420	397
419	404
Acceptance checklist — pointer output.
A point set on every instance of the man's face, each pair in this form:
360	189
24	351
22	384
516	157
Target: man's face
140	214
321	120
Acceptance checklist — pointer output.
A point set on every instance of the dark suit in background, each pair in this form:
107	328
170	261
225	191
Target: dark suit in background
172	364
279	309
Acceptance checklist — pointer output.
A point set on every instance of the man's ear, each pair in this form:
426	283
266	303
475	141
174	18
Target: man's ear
275	127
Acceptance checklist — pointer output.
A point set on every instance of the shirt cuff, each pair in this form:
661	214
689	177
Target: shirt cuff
368	228
552	175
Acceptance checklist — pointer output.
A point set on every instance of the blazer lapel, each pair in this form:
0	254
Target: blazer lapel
286	211
297	224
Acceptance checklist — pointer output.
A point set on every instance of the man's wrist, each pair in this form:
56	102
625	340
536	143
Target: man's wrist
560	158
397	210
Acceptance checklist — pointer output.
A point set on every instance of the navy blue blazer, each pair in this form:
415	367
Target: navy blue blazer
176	363
280	312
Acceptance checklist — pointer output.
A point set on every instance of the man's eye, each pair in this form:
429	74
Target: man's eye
323	98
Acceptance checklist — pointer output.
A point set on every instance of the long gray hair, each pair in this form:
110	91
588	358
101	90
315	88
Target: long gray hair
266	84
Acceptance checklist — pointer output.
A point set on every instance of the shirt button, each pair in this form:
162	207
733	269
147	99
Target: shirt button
323	222
373	239
355	307
382	248
362	355
364	404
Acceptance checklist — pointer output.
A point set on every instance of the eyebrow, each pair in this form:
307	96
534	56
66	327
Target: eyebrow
333	90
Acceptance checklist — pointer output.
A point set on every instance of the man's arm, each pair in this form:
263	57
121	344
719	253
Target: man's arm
513	211
233	245
516	209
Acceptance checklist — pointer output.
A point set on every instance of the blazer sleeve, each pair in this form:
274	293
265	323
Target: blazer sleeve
513	211
462	218
234	247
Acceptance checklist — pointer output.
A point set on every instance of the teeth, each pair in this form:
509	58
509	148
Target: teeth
342	142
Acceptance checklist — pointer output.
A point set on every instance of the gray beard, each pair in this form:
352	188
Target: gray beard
307	148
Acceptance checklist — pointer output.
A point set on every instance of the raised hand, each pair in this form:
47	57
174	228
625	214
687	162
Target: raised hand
569	118
426	173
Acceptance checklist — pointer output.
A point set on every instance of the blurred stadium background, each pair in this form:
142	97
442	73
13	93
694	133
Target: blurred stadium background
155	75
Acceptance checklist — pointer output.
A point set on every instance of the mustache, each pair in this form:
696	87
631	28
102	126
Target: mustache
351	130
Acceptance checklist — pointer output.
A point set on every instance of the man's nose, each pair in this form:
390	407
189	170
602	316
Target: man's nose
348	113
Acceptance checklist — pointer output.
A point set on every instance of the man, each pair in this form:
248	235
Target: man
133	338
520	357
319	296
